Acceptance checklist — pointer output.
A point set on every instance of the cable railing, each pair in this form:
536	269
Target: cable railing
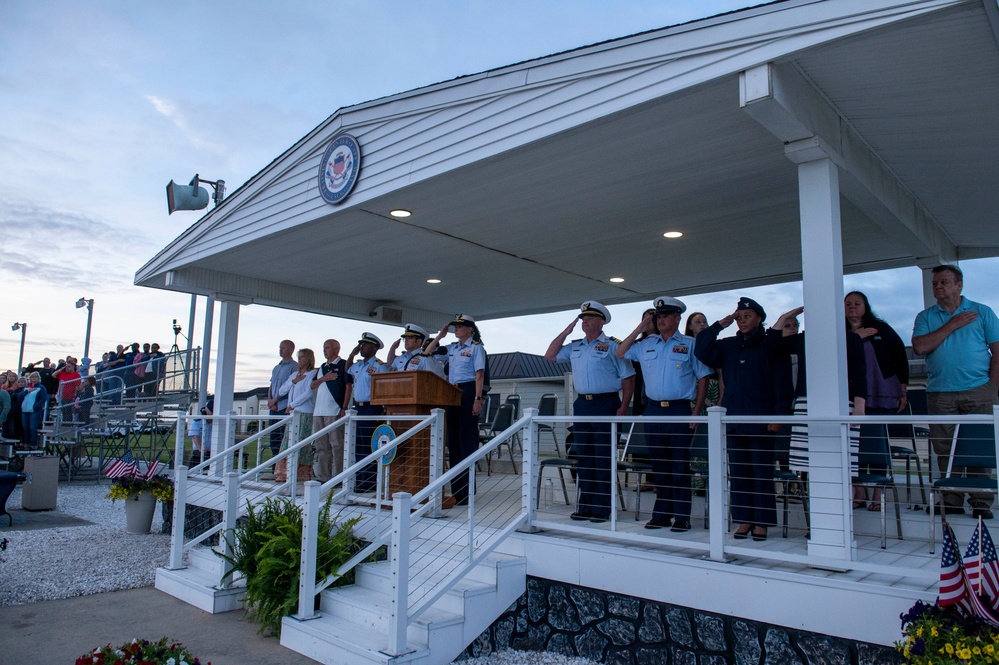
428	556
815	504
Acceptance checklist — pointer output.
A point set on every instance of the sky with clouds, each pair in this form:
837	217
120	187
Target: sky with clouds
102	103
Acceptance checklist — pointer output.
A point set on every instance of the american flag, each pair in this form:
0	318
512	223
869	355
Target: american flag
153	466
982	565
954	588
123	466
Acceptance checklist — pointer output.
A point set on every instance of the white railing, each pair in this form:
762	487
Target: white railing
377	535
428	556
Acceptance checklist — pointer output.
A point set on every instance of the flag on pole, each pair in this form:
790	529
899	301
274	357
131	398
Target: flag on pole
153	466
982	565
123	466
954	588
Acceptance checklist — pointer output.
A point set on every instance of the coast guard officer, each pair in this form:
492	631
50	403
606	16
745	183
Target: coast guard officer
673	378
360	389
466	370
412	358
604	385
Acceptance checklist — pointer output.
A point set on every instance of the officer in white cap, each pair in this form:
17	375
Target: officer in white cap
360	386
674	378
467	371
412	337
604	385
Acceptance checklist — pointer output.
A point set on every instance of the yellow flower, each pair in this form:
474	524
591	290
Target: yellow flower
949	648
964	654
933	631
989	648
976	651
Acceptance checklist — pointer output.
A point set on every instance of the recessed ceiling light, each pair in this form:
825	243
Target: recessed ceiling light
400	213
433	281
617	280
672	234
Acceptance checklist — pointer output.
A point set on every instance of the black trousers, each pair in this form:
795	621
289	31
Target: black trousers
365	481
462	429
669	450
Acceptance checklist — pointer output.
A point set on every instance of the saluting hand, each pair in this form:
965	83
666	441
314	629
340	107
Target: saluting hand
726	321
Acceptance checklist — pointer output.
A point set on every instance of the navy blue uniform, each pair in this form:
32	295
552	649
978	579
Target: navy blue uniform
746	363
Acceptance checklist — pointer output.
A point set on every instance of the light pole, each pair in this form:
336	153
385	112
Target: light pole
90	319
23	327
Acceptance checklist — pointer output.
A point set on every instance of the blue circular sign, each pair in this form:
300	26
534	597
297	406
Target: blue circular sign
339	168
382	436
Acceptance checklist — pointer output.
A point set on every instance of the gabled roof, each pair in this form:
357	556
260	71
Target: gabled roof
518	365
533	184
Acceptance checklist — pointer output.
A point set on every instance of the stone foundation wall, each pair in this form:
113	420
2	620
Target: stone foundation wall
611	628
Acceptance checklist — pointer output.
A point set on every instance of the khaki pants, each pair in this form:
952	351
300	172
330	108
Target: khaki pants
329	448
962	402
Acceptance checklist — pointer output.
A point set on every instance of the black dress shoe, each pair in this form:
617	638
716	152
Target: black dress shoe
759	535
741	535
680	526
658	523
580	517
984	513
948	510
598	519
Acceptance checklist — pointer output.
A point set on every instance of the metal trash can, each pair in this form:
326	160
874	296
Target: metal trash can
42	483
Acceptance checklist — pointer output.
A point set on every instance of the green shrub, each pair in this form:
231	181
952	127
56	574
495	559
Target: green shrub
266	549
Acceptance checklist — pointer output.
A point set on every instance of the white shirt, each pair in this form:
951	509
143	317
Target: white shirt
301	397
325	404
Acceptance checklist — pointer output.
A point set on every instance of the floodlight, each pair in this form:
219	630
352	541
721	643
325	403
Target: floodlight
191	196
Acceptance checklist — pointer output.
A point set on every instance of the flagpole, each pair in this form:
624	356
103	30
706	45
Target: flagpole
981	557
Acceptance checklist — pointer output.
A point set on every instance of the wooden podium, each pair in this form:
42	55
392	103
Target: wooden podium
411	393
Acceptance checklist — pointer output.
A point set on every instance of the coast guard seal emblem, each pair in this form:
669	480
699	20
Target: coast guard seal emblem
339	168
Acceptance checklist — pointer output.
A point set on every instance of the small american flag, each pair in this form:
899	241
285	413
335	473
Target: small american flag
982	565
954	588
153	466
121	467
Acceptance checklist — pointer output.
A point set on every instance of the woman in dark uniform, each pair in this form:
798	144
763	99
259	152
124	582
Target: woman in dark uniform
746	364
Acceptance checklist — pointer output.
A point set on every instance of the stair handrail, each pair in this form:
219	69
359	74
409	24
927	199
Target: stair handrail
401	614
313	502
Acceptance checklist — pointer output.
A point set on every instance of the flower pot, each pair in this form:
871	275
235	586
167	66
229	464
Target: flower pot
139	511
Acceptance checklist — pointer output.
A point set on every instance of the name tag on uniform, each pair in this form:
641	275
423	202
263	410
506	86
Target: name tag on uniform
681	348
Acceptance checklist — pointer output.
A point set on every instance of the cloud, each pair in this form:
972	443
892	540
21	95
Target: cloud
179	118
65	248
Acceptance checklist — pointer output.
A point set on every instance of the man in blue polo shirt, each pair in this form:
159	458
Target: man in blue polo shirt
960	339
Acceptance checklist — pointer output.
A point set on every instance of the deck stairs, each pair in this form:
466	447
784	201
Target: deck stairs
199	583
353	621
351	625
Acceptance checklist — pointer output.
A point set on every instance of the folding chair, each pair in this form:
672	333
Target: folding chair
502	421
547	406
875	453
908	453
973	445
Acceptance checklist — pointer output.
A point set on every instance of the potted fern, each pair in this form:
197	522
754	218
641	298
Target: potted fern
266	551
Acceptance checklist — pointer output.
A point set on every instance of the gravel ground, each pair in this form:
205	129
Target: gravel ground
64	562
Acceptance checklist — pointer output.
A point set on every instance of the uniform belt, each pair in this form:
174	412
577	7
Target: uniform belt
356	403
670	403
594	396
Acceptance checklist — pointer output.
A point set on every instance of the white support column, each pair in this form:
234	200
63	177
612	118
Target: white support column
225	368
206	351
825	347
928	299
